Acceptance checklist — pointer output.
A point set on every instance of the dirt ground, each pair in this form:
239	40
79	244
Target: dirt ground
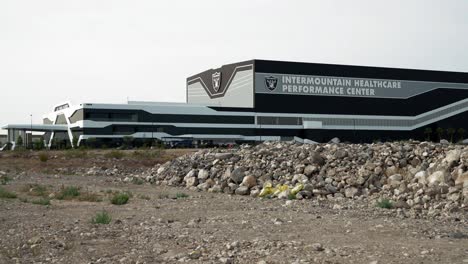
173	225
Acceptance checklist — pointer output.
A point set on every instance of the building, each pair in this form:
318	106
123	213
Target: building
260	100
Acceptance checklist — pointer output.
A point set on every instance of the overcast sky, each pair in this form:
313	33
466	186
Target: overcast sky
104	51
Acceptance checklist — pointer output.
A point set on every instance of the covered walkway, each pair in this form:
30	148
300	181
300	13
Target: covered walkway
23	130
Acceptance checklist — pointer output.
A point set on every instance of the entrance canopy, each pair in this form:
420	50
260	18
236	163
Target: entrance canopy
36	128
15	130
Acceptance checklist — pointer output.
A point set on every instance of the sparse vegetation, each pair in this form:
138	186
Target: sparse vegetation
43	157
89	197
128	142
42	201
181	195
76	154
115	154
144	197
120	198
138	181
68	193
291	196
7	194
163	196
385	203
102	218
36	190
147	154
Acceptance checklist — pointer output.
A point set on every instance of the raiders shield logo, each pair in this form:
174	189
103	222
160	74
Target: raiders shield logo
271	82
216	80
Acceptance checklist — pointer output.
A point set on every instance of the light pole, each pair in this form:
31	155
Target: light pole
31	132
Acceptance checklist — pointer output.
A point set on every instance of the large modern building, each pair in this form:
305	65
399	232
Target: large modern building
260	100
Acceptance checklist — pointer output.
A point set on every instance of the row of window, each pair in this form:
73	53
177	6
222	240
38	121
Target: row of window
61	107
273	120
116	117
128	130
167	118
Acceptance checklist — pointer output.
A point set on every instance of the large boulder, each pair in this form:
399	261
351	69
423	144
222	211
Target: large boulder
191	173
351	192
223	156
315	158
421	177
437	178
237	175
249	181
191	181
452	156
462	179
203	174
341	153
309	169
308	141
242	190
206	185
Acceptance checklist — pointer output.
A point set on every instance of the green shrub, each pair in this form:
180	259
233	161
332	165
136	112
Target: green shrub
428	133
39	144
120	198
450	133
385	203
4	180
6	194
102	218
69	192
36	190
75	142
43	157
114	154
181	195
291	196
42	201
19	141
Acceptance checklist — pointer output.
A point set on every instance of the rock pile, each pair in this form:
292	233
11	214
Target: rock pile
419	175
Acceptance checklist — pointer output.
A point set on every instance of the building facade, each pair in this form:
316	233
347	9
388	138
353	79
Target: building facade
272	100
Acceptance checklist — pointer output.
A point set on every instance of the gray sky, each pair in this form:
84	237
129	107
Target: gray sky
108	50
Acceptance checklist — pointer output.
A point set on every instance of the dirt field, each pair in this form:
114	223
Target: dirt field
173	225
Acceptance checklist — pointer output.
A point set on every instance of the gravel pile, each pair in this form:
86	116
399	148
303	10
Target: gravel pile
419	175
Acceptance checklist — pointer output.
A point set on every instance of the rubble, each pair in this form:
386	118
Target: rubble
411	174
